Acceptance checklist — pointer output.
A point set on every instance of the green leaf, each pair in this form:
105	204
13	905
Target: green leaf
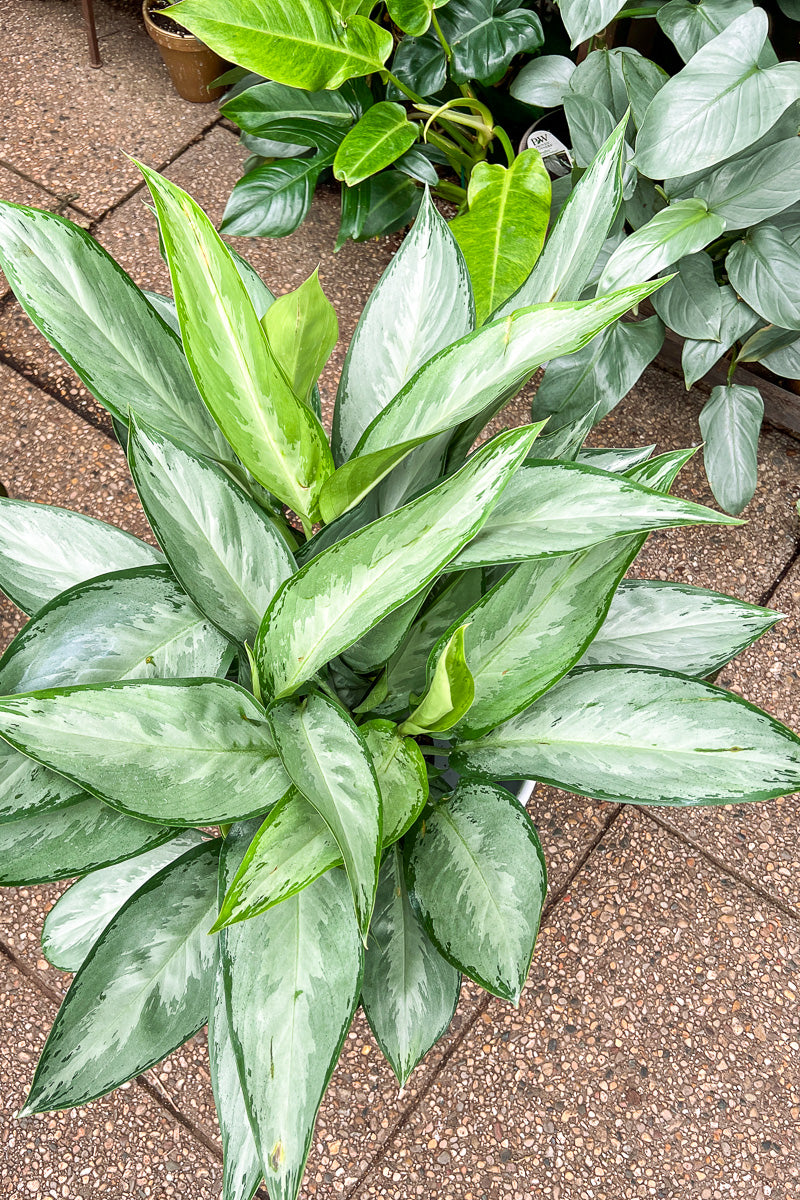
689	25
612	459
27	788
409	991
241	1167
412	16
356	478
644	736
394	200
335	598
591	124
288	114
534	625
102	324
503	231
401	774
720	103
755	186
190	751
354	210
484	36
786	361
313	48
730	423
489	366
476	874
273	200
558	507
276	436
374	142
582	19
420	63
141	993
449	694
302	330
407	669
683	228
582	227
596	378
134	624
543	81
643	79
79	916
221	545
45	550
599	77
422	303
660	473
691	302
292	981
765	271
378	645
676	627
737	319
80	835
327	761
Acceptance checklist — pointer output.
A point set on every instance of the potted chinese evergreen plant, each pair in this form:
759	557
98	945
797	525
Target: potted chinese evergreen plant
271	749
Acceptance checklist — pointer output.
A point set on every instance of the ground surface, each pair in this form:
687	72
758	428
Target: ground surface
656	1051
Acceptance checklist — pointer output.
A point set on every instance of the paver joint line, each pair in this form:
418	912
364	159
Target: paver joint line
551	904
664	823
779	578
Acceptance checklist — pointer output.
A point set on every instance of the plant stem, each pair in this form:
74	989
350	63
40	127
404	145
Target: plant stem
448	53
451	192
450	149
398	83
505	142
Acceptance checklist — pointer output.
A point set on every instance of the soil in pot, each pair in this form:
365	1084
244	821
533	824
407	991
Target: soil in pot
162	21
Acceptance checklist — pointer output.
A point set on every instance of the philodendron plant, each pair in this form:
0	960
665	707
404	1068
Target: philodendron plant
271	750
711	195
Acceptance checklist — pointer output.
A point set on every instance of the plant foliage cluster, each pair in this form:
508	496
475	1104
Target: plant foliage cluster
271	749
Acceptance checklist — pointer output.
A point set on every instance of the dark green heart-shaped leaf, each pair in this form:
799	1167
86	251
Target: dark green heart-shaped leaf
409	991
188	751
476	873
273	200
645	736
484	36
142	991
287	114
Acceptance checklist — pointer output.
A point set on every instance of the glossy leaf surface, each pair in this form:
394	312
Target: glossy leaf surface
45	550
276	436
476	874
222	547
478	371
409	991
730	423
676	627
422	303
187	751
721	102
681	229
327	761
754	187
273	200
335	598
302	330
136	624
311	48
764	268
543	81
381	136
484	36
554	508
76	920
287	114
401	774
449	694
689	25
412	16
645	736
502	233
102	324
582	18
78	836
142	991
691	303
581	229
292	981
27	788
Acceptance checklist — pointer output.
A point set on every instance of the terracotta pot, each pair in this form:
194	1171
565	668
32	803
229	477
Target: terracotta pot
191	65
